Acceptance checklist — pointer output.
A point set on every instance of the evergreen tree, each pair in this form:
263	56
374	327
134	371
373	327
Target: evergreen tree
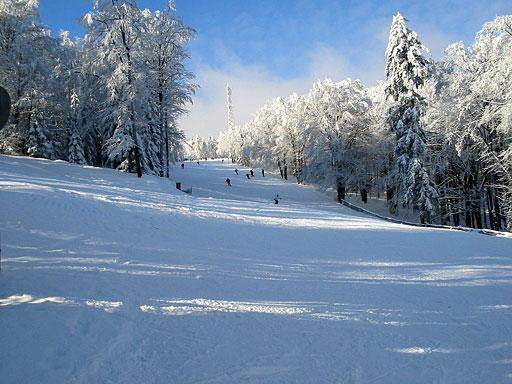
38	142
76	147
407	72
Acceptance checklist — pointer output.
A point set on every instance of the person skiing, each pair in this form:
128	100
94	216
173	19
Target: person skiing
228	182
248	176
276	199
252	173
182	165
262	172
236	171
197	162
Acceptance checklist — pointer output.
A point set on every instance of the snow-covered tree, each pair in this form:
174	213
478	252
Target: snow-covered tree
138	57
168	83
27	60
474	104
76	147
338	130
407	72
39	143
114	32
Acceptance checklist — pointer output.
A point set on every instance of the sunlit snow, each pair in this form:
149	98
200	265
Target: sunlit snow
110	278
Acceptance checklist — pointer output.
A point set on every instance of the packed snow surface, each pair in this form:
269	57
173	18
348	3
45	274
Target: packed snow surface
107	278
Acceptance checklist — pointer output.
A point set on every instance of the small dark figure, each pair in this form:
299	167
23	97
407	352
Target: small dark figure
364	195
262	172
198	162
222	160
228	182
182	165
252	173
276	199
236	171
248	176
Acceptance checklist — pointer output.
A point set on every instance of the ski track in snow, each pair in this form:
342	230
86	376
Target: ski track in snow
108	278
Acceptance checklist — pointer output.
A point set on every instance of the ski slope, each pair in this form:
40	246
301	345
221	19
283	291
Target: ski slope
110	279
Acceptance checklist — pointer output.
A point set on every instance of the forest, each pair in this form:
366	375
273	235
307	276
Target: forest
109	99
434	137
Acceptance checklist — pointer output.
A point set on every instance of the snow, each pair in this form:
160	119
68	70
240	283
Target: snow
110	278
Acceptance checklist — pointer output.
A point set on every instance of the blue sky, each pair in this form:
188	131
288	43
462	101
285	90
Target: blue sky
269	48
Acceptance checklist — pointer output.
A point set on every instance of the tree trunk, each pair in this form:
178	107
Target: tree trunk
490	209
442	200
497	210
467	212
166	149
477	216
132	108
454	205
340	188
138	166
468	184
364	195
163	132
99	150
482	204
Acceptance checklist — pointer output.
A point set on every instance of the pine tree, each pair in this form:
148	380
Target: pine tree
38	143
28	57
407	72
76	147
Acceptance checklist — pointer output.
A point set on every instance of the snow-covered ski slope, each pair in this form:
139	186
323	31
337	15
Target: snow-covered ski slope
110	279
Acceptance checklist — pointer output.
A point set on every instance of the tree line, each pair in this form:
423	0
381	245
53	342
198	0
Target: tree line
435	137
110	99
199	148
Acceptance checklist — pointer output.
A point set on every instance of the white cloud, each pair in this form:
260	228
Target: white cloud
435	40
253	85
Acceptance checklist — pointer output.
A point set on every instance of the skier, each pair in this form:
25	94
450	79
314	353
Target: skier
236	171
276	199
228	182
197	162
182	166
248	176
252	173
262	172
